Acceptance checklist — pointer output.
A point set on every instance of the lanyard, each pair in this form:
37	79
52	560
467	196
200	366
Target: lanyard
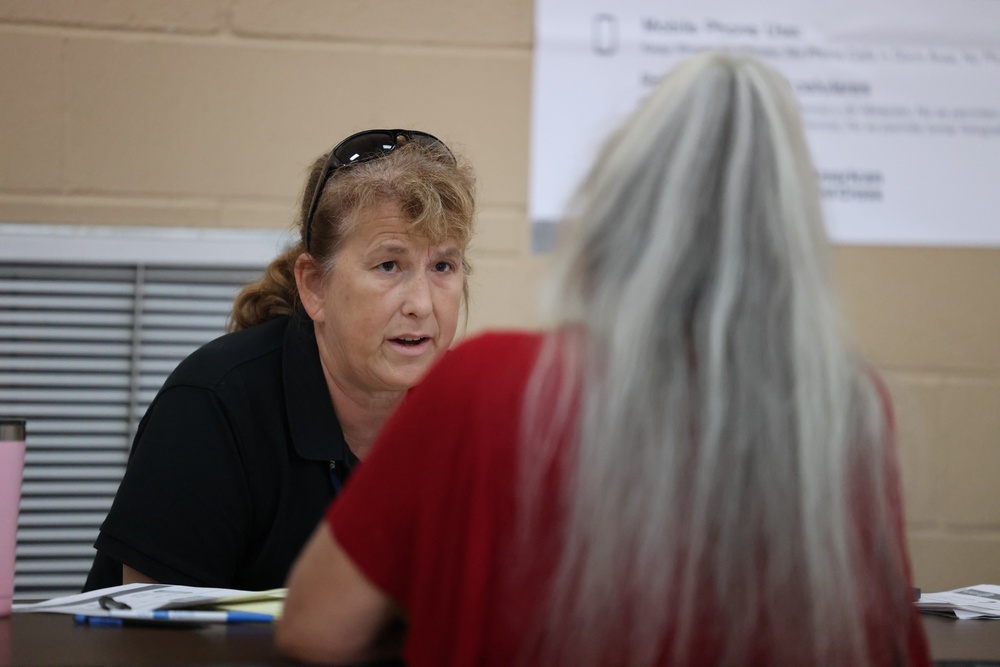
347	465
337	484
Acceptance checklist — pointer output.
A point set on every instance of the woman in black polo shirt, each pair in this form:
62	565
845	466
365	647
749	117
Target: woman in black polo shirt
254	433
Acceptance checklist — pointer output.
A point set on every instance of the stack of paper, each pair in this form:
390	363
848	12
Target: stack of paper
980	601
121	601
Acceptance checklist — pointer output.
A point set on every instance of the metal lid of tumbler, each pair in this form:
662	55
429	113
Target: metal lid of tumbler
11	430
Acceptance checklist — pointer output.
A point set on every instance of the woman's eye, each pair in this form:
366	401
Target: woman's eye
388	267
443	267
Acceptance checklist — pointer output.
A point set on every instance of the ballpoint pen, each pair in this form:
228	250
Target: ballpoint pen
98	621
118	617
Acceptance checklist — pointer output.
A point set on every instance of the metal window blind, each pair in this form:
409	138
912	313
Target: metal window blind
83	350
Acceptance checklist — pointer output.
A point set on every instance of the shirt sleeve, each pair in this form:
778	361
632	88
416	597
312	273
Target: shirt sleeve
182	513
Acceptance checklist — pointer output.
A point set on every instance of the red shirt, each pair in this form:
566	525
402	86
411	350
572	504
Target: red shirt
430	516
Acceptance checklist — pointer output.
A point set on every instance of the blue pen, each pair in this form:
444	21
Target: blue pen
98	621
118	617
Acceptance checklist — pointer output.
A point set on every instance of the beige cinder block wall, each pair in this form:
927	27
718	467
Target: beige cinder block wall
206	113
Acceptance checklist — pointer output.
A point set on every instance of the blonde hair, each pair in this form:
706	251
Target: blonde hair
433	188
724	427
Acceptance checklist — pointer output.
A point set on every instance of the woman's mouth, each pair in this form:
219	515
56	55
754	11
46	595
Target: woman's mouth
410	344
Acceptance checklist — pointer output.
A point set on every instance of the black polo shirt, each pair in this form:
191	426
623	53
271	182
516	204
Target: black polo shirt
232	466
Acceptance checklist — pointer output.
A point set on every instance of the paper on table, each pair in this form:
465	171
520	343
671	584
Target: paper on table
149	597
980	601
260	602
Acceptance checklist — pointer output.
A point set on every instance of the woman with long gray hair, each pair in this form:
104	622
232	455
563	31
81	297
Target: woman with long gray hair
694	466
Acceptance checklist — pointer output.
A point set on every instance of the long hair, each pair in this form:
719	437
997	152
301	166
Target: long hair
435	189
725	480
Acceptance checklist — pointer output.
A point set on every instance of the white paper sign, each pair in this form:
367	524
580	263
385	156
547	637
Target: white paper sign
901	101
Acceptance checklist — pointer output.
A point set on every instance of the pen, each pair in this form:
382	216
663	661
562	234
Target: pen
116	617
98	621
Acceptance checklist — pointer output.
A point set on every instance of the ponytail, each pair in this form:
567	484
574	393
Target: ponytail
273	295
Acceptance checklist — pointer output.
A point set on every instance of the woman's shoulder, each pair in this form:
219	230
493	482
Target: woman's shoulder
509	340
494	358
494	349
217	359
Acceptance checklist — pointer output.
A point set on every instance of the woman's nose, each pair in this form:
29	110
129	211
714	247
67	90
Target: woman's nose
418	300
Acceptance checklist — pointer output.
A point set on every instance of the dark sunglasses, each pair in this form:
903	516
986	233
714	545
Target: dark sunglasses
358	148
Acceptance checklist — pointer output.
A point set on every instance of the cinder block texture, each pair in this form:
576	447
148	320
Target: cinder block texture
449	22
96	210
925	308
500	232
943	562
966	455
31	112
172	16
916	403
207	119
504	293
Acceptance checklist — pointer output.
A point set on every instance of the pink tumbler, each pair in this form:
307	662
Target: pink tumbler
11	471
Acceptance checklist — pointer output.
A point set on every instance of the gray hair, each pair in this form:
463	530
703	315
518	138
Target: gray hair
729	449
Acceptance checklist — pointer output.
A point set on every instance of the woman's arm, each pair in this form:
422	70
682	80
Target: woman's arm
130	576
333	614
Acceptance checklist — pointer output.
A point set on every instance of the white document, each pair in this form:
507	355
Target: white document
149	597
900	98
980	601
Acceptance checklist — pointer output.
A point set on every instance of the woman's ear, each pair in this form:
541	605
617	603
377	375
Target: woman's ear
309	280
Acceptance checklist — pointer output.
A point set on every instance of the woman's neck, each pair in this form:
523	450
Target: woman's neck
361	417
360	409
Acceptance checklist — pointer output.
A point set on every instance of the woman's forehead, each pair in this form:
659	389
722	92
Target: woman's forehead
388	218
391	228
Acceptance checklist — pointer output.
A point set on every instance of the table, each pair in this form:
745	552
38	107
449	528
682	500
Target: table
42	640
46	640
975	641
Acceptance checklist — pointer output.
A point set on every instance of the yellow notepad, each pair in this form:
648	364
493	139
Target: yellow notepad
258	602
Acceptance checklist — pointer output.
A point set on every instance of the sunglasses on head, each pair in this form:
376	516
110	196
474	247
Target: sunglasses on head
363	147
